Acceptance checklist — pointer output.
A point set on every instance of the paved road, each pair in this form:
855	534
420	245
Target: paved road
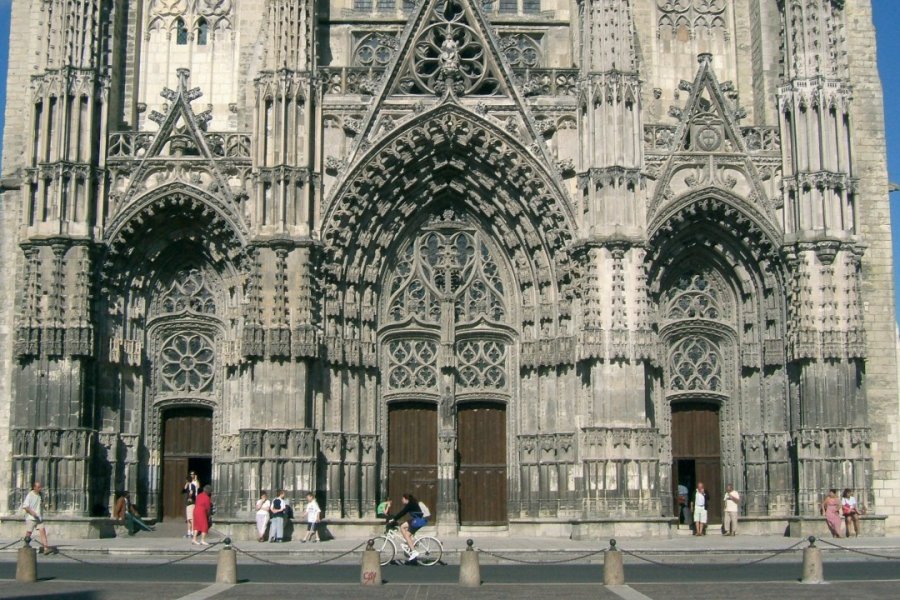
783	572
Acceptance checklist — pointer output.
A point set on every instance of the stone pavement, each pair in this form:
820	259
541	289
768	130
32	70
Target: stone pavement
495	548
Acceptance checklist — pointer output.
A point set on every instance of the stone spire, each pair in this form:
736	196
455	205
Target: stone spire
61	187
283	123
615	334
826	337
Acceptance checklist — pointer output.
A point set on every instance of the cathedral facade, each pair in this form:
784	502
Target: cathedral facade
539	262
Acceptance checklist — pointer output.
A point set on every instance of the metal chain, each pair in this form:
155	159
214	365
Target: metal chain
12	543
140	565
863	552
318	562
540	562
715	566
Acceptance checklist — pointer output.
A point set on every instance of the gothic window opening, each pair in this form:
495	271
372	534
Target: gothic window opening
697	295
447	278
202	32
188	291
181	33
447	264
412	364
695	364
374	50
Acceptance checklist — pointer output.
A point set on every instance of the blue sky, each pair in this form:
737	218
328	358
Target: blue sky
887	18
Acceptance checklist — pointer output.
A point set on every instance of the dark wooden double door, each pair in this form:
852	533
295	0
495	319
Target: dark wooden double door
696	454
480	459
187	447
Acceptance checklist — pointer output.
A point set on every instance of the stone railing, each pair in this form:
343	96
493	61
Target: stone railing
130	145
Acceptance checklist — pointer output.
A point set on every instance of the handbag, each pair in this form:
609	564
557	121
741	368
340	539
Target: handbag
418	522
847	510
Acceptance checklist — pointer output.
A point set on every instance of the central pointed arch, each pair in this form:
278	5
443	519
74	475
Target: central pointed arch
449	178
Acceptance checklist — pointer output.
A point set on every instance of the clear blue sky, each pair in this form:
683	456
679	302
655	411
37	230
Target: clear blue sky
887	24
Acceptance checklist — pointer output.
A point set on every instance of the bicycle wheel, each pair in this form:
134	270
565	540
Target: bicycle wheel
385	549
430	551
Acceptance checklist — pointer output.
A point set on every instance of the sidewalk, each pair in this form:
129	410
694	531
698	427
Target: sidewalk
148	546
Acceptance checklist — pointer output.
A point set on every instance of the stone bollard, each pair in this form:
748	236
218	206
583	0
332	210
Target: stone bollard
26	563
370	573
812	563
226	569
469	567
613	566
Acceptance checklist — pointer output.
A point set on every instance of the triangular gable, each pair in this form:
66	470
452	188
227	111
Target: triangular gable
180	136
448	52
709	126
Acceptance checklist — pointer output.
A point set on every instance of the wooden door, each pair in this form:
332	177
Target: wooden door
412	453
482	464
187	446
696	439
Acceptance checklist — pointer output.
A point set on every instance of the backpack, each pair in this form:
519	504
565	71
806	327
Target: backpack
425	512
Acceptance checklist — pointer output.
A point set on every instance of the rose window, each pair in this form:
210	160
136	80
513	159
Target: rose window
187	363
449	53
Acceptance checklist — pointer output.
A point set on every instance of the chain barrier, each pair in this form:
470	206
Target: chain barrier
716	566
541	562
854	550
12	543
314	563
140	565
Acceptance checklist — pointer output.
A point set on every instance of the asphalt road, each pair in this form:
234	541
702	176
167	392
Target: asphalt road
778	572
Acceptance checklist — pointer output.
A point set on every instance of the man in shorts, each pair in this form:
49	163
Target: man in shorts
699	506
33	520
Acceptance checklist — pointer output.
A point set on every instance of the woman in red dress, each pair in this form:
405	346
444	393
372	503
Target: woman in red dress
202	509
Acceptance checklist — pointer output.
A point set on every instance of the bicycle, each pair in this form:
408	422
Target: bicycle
430	549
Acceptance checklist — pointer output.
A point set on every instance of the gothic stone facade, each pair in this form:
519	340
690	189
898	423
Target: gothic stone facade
537	260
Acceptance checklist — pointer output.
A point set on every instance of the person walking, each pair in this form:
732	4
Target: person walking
276	524
732	503
831	510
190	490
202	513
262	515
313	516
33	516
699	506
850	510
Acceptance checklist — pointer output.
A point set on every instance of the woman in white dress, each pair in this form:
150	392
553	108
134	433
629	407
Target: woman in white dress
262	515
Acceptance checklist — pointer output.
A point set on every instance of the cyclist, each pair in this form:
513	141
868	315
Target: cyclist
417	520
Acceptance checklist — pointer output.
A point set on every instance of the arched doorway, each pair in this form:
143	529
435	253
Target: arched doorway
446	352
696	452
187	446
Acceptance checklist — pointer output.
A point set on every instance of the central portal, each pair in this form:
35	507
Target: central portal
448	352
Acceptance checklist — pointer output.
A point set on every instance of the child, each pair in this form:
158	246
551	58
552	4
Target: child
313	513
